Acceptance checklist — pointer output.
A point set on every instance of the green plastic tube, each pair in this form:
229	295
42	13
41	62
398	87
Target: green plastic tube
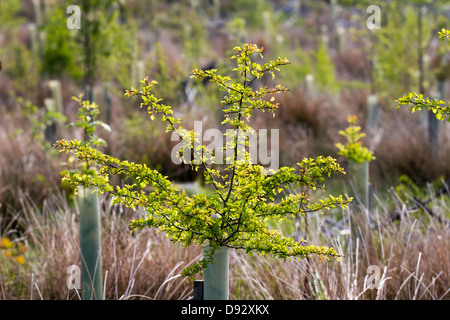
216	275
90	244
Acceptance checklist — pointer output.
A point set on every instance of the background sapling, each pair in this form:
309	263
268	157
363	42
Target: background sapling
88	203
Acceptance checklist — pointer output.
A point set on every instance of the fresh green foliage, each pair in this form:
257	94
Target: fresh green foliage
112	47
417	102
354	150
102	47
9	14
246	197
19	63
324	71
444	34
59	49
87	114
396	64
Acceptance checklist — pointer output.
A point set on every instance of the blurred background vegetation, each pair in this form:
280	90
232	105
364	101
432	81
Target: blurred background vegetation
337	63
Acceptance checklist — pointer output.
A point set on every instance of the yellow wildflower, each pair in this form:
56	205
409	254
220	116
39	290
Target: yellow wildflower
5	243
20	259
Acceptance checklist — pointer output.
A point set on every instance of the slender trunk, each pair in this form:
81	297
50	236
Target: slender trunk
419	49
89	54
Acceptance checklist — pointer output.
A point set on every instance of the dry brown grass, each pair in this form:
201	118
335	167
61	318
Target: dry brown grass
412	254
144	265
25	166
